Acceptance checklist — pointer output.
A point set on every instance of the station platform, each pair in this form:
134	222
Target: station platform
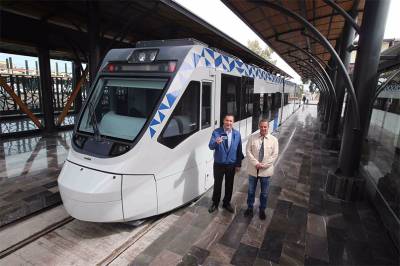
304	226
29	169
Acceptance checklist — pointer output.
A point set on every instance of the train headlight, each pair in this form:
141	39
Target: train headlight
152	55
143	56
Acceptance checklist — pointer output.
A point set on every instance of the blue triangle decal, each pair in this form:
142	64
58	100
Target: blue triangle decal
154	122
202	52
210	52
171	99
163	107
196	59
152	132
218	61
231	65
240	70
226	58
162	116
239	63
208	64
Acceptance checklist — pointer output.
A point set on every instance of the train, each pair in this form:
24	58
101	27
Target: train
140	143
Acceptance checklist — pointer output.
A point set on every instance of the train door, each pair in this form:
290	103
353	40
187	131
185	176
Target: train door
208	124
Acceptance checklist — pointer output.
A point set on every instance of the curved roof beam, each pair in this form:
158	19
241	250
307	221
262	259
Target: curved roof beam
314	55
310	71
316	61
346	15
328	46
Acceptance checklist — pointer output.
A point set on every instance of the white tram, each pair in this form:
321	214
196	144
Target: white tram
140	146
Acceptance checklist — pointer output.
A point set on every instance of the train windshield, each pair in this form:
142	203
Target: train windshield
119	108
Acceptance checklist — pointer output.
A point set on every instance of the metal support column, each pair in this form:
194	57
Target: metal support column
366	67
76	75
94	40
345	55
46	88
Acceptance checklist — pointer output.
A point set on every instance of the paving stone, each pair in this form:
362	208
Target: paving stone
166	257
316	247
244	255
271	247
292	254
220	254
179	244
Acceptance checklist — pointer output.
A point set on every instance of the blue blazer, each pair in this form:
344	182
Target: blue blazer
222	155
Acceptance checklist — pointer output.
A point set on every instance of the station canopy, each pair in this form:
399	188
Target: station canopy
63	26
274	26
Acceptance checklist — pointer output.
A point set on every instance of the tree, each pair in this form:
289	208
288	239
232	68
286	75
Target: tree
264	53
301	91
312	87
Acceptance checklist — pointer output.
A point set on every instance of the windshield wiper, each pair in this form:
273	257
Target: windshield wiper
95	124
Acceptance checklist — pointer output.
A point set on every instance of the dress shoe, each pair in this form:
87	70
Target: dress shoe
228	207
212	208
262	215
248	213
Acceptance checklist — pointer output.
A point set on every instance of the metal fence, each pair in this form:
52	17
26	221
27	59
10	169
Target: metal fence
27	87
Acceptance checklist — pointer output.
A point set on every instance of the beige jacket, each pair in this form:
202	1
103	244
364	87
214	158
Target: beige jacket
271	149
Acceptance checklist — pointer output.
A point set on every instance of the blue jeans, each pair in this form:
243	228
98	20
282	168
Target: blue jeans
252	191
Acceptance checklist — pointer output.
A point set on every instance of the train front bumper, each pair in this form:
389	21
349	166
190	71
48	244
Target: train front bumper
96	196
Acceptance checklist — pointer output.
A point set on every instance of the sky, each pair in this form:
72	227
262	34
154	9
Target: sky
226	21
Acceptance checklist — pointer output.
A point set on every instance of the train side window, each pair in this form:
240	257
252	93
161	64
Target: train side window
230	96
249	99
184	120
206	104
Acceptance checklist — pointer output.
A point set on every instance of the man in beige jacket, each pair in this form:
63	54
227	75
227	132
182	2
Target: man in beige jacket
261	151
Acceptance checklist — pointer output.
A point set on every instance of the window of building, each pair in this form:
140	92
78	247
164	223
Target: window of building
206	104
184	120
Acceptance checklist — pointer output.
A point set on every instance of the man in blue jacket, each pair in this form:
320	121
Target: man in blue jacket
227	145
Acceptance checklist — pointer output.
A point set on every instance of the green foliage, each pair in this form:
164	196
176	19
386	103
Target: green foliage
301	90
312	87
264	53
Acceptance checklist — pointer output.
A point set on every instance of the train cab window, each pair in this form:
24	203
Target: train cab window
206	104
119	108
184	120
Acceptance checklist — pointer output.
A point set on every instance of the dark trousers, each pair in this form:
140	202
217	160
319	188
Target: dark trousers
219	172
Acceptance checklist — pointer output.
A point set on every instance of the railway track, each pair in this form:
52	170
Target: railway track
146	227
35	236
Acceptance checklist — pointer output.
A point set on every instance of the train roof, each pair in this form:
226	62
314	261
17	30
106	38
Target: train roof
177	49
